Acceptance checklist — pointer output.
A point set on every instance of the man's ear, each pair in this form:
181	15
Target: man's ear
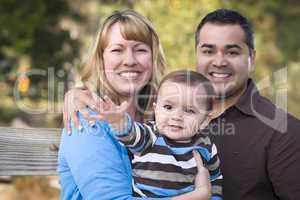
251	60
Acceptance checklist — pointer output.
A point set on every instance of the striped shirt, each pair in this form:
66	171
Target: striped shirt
162	167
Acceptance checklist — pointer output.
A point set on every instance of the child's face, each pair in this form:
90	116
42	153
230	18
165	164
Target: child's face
180	110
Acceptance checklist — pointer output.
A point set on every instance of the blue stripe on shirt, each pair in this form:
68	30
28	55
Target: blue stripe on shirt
182	150
165	192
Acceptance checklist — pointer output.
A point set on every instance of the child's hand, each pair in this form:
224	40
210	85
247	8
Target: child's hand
202	181
114	114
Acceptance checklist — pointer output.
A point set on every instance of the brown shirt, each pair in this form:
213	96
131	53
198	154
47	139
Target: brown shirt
259	148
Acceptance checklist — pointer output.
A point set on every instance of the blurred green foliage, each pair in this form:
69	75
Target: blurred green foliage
34	28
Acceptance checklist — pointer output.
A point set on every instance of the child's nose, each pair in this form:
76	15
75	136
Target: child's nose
177	115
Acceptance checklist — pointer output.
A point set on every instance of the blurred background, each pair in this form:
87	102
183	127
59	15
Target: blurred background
43	44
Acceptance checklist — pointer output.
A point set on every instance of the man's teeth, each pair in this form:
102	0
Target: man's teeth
129	74
220	75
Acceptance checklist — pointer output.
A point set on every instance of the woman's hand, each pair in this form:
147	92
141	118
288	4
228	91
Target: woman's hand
77	100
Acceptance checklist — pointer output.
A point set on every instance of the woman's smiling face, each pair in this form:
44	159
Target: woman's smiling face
127	63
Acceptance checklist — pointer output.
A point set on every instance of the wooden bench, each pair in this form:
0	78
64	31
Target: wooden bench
28	151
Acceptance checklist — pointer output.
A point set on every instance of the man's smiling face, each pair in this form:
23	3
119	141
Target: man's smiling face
224	57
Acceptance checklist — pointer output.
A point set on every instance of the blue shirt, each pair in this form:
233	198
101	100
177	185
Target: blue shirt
93	165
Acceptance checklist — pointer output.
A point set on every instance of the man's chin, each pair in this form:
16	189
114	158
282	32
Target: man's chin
228	92
222	93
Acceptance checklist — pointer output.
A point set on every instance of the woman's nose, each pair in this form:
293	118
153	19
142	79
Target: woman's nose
129	58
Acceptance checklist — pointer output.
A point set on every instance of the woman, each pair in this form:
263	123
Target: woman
125	64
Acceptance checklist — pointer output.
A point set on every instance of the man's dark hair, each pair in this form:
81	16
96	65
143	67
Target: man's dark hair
227	17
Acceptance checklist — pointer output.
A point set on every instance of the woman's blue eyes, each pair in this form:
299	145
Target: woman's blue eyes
142	50
167	107
116	50
120	50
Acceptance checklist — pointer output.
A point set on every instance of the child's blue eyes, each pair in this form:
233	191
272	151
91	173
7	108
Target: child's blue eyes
186	110
190	111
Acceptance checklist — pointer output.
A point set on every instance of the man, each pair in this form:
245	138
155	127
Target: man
259	144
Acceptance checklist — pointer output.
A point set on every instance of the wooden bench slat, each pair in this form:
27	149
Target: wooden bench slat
28	151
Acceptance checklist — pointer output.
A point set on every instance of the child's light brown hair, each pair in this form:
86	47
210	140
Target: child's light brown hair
191	79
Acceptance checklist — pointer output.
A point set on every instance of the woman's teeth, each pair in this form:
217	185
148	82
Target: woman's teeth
129	75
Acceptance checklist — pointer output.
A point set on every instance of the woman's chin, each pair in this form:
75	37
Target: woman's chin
129	91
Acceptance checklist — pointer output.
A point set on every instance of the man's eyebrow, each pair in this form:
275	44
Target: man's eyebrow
207	46
230	46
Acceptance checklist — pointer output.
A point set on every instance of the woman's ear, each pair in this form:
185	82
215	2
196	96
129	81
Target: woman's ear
154	105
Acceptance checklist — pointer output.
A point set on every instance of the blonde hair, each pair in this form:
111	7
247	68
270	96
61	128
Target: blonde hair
133	27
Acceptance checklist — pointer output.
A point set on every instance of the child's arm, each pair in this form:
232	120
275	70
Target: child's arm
114	114
139	137
135	136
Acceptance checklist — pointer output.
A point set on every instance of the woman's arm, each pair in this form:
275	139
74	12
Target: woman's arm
78	99
92	164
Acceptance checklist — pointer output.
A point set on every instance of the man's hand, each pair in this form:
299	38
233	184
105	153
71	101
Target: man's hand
202	181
